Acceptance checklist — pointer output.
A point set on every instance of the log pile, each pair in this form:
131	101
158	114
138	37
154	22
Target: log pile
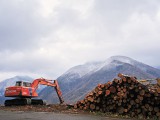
125	96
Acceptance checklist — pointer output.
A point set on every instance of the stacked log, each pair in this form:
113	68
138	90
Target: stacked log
125	96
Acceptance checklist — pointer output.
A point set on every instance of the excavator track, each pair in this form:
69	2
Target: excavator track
38	102
24	101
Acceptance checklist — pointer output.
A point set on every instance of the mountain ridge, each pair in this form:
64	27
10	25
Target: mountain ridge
76	82
79	80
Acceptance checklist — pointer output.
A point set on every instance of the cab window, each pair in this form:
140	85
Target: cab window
18	83
26	84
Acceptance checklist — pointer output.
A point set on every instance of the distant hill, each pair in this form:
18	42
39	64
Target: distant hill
79	80
158	67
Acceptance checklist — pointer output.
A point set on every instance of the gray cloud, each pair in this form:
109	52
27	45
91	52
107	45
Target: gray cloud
20	25
48	37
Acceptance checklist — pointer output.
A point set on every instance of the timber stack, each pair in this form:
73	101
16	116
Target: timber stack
125	96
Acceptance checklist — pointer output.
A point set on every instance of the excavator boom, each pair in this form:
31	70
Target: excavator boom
46	82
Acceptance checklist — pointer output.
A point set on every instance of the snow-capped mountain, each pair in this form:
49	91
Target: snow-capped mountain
80	71
91	67
79	80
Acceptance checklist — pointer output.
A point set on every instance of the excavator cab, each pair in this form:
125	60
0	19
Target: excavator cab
24	84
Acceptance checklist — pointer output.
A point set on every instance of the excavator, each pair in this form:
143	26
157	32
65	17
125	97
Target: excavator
23	92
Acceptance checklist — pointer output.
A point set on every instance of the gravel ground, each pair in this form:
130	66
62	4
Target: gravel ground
51	112
30	115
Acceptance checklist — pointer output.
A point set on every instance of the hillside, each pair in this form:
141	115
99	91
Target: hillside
79	80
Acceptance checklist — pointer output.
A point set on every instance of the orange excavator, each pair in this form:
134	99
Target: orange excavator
23	92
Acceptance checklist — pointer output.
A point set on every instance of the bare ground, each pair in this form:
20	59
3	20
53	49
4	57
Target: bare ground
58	112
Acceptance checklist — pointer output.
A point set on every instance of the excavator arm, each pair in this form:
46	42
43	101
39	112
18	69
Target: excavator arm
46	82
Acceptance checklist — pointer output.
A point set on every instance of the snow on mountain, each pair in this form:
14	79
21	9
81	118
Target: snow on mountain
132	62
123	59
82	70
91	67
79	80
111	62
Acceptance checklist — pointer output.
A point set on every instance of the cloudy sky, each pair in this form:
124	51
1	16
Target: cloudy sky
44	38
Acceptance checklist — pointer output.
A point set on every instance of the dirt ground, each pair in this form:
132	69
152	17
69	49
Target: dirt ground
43	108
58	109
30	115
